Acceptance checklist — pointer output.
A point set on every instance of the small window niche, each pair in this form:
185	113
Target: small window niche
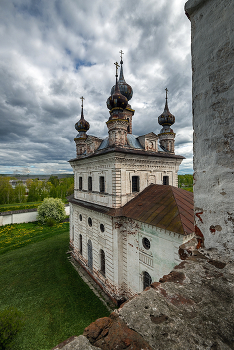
80	183
90	183
80	244
90	222
165	180
135	184
102	262
102	184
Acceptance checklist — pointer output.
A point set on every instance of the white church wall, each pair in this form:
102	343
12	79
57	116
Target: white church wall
117	170
158	260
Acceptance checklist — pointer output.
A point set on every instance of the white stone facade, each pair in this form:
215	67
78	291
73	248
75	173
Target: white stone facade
117	170
126	259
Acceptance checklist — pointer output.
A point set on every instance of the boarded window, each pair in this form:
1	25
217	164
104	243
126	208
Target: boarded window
165	180
147	280
102	184
80	183
80	244
135	184
90	185
102	262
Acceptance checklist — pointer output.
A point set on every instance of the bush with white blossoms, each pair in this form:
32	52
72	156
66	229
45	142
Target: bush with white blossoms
51	209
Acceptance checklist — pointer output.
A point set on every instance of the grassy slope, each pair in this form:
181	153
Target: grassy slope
39	280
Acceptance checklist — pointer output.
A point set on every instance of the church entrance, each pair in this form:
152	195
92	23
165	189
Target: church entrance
90	255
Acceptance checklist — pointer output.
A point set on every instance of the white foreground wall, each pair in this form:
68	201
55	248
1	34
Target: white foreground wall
212	23
18	218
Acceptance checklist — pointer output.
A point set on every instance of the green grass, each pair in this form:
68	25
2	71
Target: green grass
18	206
39	280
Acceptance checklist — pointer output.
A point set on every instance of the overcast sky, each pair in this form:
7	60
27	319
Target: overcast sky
54	51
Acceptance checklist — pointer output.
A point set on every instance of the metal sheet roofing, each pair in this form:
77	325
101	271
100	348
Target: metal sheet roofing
133	142
167	207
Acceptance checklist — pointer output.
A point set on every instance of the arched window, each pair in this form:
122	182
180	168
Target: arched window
90	255
147	280
80	244
102	262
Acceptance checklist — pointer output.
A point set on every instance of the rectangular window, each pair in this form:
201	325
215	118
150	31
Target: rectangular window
80	183
165	180
90	185
102	184
135	184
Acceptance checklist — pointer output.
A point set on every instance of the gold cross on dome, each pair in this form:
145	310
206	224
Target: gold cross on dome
121	53
117	66
82	98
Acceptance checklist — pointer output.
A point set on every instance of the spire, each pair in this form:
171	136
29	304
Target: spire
82	125
121	76
167	135
82	113
124	88
116	76
166	105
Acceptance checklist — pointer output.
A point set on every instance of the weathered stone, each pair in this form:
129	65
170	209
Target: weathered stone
212	29
76	343
113	333
195	314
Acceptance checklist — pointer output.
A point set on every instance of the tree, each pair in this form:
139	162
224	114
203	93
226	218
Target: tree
11	322
51	210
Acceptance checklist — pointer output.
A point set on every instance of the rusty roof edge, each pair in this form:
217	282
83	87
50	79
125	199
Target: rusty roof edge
183	224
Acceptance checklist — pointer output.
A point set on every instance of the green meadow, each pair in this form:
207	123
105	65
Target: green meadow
37	278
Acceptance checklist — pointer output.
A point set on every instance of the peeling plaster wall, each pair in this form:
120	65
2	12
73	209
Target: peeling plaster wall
212	24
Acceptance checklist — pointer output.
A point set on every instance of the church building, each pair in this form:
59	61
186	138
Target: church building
128	217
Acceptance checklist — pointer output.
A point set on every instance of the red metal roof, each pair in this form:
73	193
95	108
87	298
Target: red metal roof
167	207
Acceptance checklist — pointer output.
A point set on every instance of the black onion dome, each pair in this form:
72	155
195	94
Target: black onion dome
117	99
166	118
82	124
125	89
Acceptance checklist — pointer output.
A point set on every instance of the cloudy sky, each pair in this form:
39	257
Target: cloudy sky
54	51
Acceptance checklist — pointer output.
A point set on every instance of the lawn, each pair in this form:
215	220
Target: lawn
39	280
19	206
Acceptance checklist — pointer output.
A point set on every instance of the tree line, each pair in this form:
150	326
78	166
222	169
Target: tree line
35	189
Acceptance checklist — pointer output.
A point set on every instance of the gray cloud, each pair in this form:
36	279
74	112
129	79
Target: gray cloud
53	52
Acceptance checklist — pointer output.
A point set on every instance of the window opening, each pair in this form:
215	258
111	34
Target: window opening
80	243
147	280
102	228
103	262
102	184
80	183
146	243
135	184
90	255
165	180
80	217
90	222
90	185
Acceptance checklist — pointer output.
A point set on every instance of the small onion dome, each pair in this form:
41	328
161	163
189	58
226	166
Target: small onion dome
166	118
82	125
117	99
125	89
